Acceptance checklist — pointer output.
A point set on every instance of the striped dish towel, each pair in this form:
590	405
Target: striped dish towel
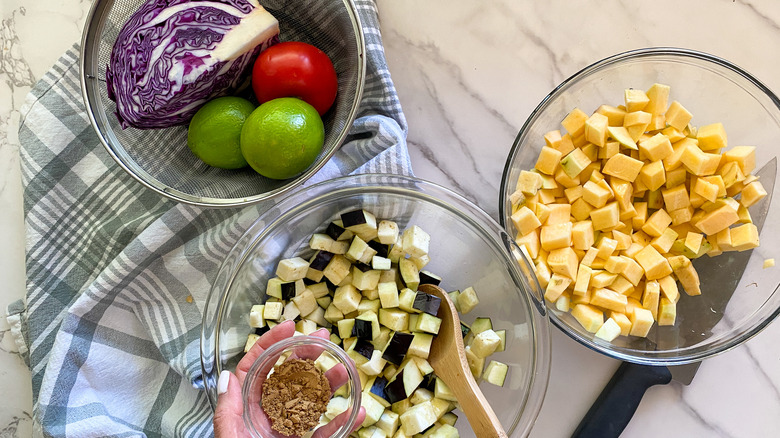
118	276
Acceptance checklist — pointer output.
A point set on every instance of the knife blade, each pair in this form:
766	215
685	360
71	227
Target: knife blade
611	412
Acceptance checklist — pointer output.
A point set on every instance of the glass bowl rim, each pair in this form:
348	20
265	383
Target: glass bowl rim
643	357
300	340
538	376
90	41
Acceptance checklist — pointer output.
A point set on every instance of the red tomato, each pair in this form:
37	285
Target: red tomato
295	69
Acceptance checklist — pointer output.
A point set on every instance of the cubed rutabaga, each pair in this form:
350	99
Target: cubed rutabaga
256	319
416	241
495	373
250	341
485	343
388	294
323	242
468	300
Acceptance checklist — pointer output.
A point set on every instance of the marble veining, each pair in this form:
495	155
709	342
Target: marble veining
468	75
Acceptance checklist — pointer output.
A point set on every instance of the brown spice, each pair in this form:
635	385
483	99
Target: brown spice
295	395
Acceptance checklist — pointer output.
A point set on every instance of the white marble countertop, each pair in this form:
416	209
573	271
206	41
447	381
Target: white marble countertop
468	75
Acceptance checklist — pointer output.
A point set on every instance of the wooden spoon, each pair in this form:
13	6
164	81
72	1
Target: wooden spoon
448	359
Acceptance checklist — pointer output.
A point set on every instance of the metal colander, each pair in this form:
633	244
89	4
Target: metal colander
160	158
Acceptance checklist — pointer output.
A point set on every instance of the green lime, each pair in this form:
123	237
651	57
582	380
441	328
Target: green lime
282	137
214	134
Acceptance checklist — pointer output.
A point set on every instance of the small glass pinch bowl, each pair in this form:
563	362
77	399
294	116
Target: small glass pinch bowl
327	356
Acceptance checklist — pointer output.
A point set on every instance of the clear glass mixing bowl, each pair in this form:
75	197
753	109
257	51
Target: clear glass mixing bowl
467	248
713	90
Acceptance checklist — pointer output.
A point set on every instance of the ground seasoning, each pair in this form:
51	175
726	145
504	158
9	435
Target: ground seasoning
295	395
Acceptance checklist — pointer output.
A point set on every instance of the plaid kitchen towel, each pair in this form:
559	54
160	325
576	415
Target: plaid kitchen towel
118	276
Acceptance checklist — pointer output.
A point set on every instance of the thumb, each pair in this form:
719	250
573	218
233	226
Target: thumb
228	416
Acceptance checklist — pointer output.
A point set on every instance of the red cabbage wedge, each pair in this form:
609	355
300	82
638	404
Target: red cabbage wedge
172	56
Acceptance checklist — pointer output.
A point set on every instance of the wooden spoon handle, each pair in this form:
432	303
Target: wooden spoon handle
477	409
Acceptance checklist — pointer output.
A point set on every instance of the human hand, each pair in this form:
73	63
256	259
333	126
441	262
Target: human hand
228	416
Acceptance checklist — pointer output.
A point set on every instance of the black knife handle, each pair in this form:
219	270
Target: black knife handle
617	403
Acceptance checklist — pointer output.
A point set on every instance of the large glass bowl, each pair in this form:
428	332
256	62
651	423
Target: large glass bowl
713	90
467	248
160	159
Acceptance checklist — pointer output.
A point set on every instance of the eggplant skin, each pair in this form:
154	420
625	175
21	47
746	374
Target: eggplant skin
395	390
397	347
427	303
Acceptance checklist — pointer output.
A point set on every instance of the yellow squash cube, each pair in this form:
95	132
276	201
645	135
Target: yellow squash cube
574	122
654	264
641	322
596	129
605	217
525	220
752	193
615	264
636	100
656	147
673	162
588	316
548	160
624	167
681	215
553	139
641	215
686	274
611	148
675	177
657	223
677	116
633	272
693	242
711	137
653	175
555	236
573	193
531	243
731	173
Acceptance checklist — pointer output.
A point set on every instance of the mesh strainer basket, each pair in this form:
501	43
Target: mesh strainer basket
160	158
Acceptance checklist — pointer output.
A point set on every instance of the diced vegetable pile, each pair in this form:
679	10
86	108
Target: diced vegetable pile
361	283
618	205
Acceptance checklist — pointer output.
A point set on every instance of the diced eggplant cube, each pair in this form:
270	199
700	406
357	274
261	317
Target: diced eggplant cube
428	323
346	327
318	316
464	329
375	364
313	276
337	269
480	325
416	241
346	298
387	232
476	363
262	330
336	406
337	232
467	300
443	391
362	330
371	294
250	341
388	423
367	305
256	319
388	294
380	248
418	418
406	300
365	280
319	289
496	372
449	418
364	348
421	395
274	288
347	280
421	261
427	277
290	311
323	242
394	390
333	315
378	388
409	273
396	252
454	298
306	302
396	349
381	263
427	303
372	318
306	326
292	269
413	318
324	302
502	345
394	319
336	339
429	382
360	251
273	311
288	290
421	345
373	408
359	222
381	341
320	260
424	366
